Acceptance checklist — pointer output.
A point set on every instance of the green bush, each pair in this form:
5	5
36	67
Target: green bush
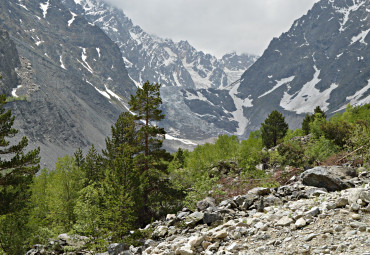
320	149
292	153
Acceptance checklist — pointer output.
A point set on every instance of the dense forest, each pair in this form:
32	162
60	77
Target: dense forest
110	196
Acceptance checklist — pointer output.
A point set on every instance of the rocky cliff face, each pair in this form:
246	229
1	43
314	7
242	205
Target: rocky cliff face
323	60
72	74
9	62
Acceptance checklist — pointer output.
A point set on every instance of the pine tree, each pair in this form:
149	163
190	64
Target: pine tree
122	179
319	111
273	129
17	167
306	123
151	160
79	157
92	166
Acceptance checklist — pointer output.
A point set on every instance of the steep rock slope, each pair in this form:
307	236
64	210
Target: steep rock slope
323	60
9	62
68	69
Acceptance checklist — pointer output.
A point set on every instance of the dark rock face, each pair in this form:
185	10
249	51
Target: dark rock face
72	74
325	177
9	62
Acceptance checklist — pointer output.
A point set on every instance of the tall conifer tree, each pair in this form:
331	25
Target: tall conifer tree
151	159
273	129
17	167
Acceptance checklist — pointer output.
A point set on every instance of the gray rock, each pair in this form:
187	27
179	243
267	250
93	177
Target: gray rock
309	237
206	203
284	221
117	248
259	191
300	223
357	225
341	202
210	218
314	211
271	200
358	193
320	177
194	218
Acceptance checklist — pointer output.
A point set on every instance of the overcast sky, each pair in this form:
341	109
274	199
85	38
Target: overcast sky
217	26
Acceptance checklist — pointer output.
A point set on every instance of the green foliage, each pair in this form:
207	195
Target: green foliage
17	168
91	165
293	133
308	119
250	153
292	153
12	99
14	231
315	126
55	194
337	131
320	149
151	161
306	123
273	129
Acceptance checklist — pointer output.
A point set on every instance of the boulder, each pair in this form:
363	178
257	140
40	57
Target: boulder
194	218
210	218
324	177
260	191
206	203
356	194
117	248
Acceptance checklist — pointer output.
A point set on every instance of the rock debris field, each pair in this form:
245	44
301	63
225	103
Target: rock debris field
326	210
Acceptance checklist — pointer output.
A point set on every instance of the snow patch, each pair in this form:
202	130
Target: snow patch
278	84
61	62
14	91
98	51
110	92
23	6
233	75
308	97
72	19
197	96
356	98
44	8
360	37
347	11
200	82
184	141
84	57
172	57
239	113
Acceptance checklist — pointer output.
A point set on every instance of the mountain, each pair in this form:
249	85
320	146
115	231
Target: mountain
197	102
323	60
149	57
66	69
